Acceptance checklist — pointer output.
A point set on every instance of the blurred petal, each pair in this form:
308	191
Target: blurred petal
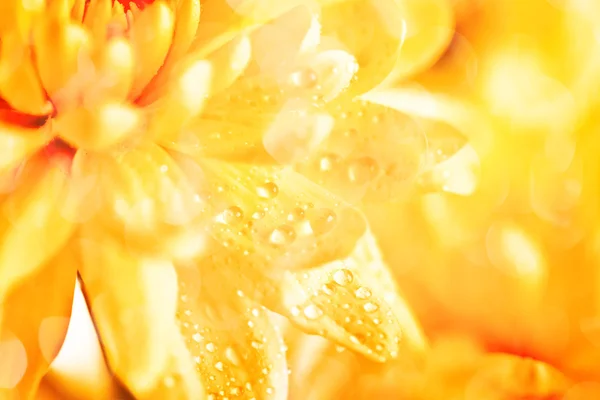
31	217
237	349
373	153
133	302
143	195
354	302
34	316
274	213
399	38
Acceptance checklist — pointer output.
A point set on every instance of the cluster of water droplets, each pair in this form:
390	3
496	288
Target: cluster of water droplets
345	302
236	360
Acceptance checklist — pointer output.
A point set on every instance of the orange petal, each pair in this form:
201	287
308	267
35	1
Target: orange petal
235	345
133	302
151	36
19	143
34	316
32	218
353	301
19	83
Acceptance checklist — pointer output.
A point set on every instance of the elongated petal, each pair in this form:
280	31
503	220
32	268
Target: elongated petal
187	17
60	47
372	153
238	351
144	195
34	316
184	99
400	38
20	85
151	36
274	213
353	301
31	218
18	143
133	302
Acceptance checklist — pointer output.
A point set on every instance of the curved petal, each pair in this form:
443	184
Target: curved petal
400	37
273	213
372	153
354	302
133	301
30	216
238	351
34	316
141	195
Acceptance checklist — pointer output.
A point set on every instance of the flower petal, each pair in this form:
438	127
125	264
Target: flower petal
19	84
34	316
31	218
18	143
355	302
274	213
133	302
238	351
372	153
398	37
144	196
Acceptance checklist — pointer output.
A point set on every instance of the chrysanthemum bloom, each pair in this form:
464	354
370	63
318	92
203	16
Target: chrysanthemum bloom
512	263
144	150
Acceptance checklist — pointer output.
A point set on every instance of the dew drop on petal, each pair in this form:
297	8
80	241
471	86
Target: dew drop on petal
362	293
282	235
362	170
305	78
370	307
312	312
210	347
322	220
343	277
268	190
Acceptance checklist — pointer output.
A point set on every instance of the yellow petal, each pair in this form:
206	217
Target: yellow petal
400	37
111	74
274	214
60	48
187	16
236	347
32	218
133	302
19	83
97	14
97	128
34	316
353	301
372	153
143	195
18	143
184	99
151	36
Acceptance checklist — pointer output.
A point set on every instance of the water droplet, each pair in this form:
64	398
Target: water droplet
354	339
328	162
362	170
305	78
282	235
362	293
370	307
233	215
197	337
297	214
343	277
210	347
295	311
232	356
312	311
255	312
322	220
328	289
219	365
269	390
268	190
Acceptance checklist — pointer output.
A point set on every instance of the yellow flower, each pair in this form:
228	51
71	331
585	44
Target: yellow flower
143	150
